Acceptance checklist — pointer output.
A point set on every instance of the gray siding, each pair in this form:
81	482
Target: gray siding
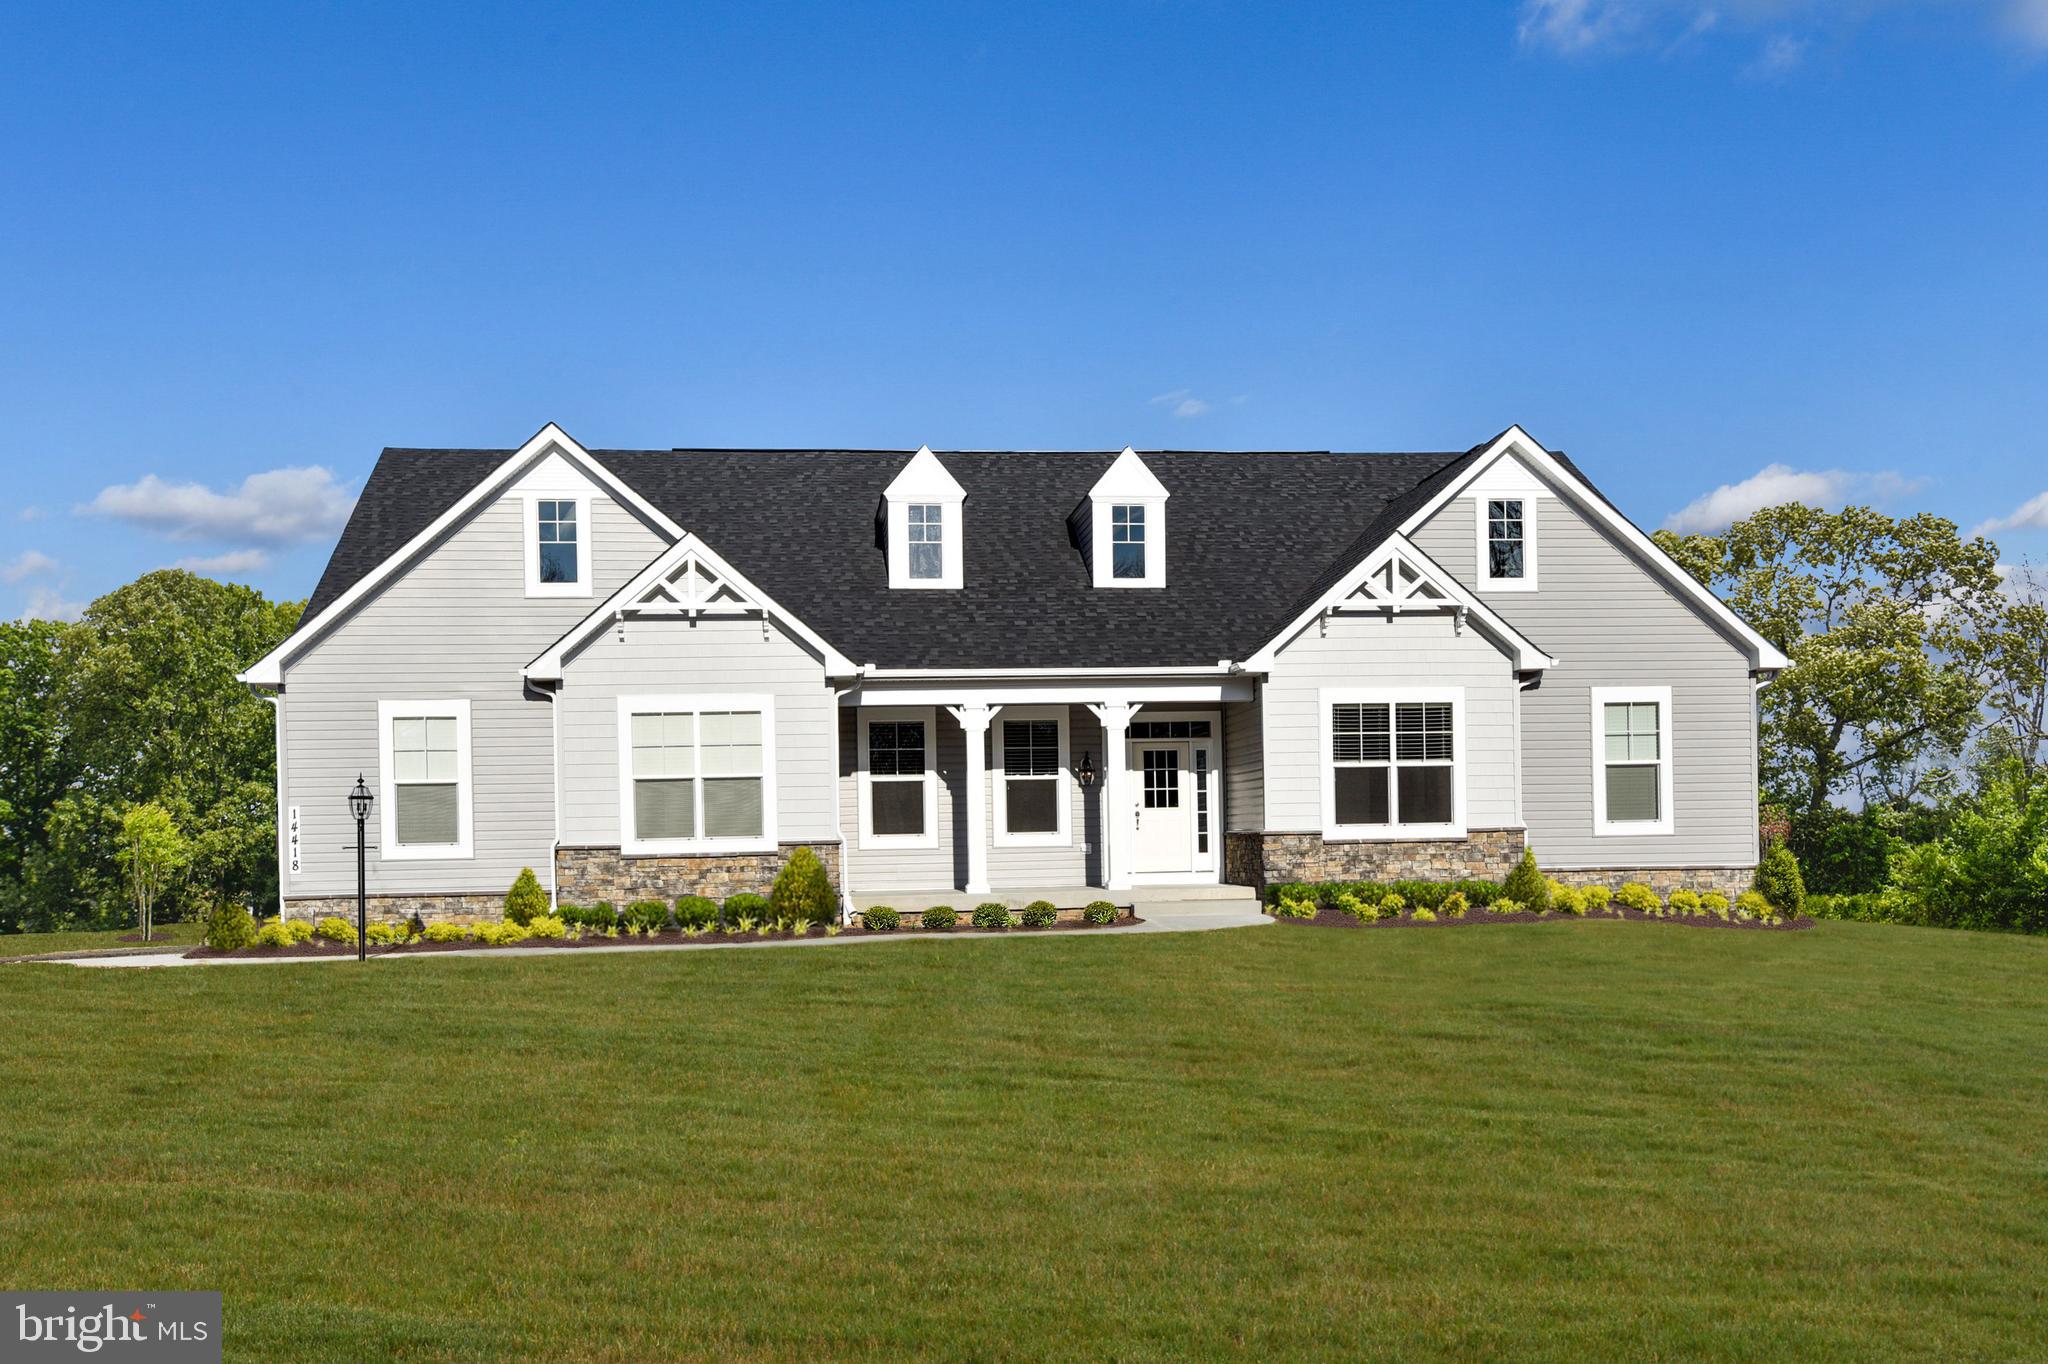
1381	651
458	625
881	870
1244	767
1610	621
671	655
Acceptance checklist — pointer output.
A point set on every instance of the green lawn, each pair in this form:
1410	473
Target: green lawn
1580	1140
89	940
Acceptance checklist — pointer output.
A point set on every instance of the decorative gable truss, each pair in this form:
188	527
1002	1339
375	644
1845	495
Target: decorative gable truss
1399	578
687	581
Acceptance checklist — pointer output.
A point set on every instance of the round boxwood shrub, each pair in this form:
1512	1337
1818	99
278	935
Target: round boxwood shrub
229	927
802	890
526	900
1525	885
1099	912
941	916
991	914
746	905
696	911
880	919
650	915
1040	914
1295	909
1778	880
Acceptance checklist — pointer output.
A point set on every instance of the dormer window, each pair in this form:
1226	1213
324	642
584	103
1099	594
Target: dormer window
1127	541
927	541
557	534
923	524
1121	528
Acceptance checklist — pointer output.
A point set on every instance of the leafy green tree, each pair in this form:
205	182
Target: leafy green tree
1885	622
2018	660
33	770
1990	870
152	853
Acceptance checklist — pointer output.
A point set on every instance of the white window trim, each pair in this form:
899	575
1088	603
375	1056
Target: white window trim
1634	828
1063	781
1206	866
585	544
886	714
1527	582
695	703
952	531
1102	553
465	809
1327	772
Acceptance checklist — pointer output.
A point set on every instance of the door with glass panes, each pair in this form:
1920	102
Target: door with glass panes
1173	797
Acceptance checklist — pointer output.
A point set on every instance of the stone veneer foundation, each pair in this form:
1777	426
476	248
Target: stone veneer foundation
1259	860
1730	881
460	908
584	876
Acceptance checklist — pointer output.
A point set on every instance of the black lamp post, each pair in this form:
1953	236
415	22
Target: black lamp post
359	806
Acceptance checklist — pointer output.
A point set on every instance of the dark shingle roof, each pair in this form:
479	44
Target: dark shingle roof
1252	539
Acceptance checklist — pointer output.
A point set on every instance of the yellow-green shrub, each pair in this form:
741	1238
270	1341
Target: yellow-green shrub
386	935
1752	905
1289	909
1424	915
499	934
1594	899
1456	906
274	934
1566	899
1685	902
334	929
1715	903
438	932
547	926
1639	897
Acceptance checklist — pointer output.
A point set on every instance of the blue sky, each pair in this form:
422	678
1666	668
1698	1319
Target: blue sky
1716	252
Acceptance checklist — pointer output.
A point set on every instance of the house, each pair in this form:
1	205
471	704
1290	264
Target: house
648	673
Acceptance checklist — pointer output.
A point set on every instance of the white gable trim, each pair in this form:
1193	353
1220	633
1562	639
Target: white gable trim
1414	582
549	441
1516	441
688	579
924	482
1127	483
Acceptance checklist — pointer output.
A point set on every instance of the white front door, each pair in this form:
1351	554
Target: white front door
1165	811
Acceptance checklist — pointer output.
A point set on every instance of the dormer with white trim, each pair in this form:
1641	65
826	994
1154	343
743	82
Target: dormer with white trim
922	524
1121	527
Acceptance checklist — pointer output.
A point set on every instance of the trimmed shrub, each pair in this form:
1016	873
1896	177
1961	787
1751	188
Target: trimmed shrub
1040	914
802	889
649	916
1685	902
1639	897
547	926
1392	904
334	929
1752	905
499	934
1714	903
1842	852
1778	881
880	919
603	916
1099	912
940	916
1357	907
1504	906
387	935
1424	915
1525	884
1290	890
440	932
1594	899
1566	900
273	934
1455	905
745	905
696	911
1295	909
526	900
229	927
990	914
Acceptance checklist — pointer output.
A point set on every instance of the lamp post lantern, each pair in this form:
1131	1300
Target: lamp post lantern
359	806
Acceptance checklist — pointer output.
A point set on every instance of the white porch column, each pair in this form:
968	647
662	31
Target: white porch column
974	721
1116	801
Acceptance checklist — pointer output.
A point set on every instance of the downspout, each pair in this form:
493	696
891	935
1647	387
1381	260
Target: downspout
555	763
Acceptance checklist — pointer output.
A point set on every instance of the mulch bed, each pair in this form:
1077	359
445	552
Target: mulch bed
319	948
1337	918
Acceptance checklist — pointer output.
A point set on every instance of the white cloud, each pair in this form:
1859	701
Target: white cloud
2027	22
1593	28
1781	56
2031	514
234	561
1776	483
30	563
47	603
1182	403
30	514
278	507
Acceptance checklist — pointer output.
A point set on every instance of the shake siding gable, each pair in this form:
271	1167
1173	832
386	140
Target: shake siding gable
456	626
1611	621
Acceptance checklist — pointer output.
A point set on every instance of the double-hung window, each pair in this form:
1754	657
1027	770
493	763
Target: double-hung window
1632	760
1031	782
424	750
927	538
1393	764
1507	543
898	778
1127	541
557	544
698	773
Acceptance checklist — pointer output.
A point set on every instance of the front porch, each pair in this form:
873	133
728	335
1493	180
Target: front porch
955	793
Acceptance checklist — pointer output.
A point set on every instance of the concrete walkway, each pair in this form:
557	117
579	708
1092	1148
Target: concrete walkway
1158	915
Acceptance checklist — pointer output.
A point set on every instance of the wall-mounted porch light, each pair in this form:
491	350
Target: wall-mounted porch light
1086	772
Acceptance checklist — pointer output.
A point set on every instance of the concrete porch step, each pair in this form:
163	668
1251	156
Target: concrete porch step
1192	899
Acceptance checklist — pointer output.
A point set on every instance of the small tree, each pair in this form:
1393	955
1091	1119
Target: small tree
1778	881
802	890
152	852
526	901
1525	884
